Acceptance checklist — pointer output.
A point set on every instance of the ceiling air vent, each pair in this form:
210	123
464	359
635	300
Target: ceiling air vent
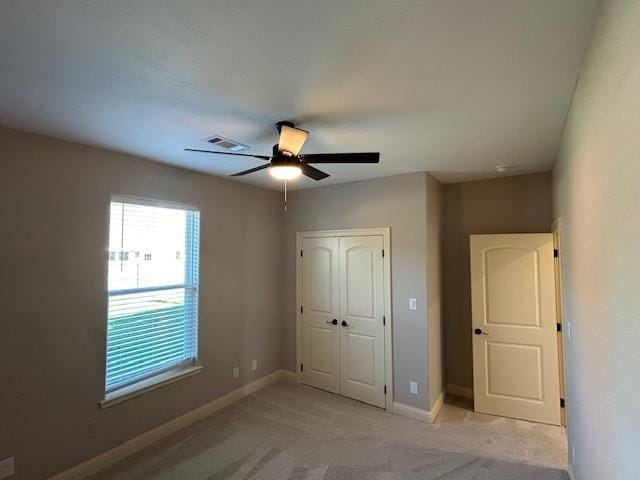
222	142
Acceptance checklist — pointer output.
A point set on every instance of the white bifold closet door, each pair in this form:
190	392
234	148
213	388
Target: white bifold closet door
342	319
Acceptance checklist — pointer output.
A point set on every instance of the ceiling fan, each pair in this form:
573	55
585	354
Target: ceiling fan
286	162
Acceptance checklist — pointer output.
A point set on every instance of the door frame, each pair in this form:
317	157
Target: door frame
385	232
556	230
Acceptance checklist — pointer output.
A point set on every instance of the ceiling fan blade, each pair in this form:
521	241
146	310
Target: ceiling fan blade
291	139
261	157
251	170
372	157
313	172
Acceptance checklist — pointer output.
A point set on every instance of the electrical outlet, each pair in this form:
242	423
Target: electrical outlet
7	467
413	304
254	365
413	387
236	372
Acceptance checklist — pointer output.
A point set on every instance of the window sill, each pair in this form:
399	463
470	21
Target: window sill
125	393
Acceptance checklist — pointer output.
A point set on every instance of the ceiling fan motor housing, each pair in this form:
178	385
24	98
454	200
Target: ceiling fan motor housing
283	158
284	161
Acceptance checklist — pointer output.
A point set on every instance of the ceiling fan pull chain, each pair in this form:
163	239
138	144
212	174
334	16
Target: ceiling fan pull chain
285	195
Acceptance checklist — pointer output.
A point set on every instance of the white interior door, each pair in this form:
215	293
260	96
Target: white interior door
515	351
320	300
362	367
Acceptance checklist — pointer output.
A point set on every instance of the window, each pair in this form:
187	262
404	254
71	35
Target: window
153	302
122	256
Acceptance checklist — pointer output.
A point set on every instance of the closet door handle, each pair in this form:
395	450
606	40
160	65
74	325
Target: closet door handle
344	323
332	322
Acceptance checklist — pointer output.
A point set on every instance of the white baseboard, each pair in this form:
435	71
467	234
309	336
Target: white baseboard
411	412
459	391
134	445
424	416
437	406
289	375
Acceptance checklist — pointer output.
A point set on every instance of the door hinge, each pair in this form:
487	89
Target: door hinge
383	253
562	403
556	253
385	389
301	254
301	309
559	327
384	320
301	367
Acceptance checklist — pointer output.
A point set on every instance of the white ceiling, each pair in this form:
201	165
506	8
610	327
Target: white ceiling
455	87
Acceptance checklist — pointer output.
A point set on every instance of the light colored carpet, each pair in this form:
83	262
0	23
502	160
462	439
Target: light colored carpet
287	431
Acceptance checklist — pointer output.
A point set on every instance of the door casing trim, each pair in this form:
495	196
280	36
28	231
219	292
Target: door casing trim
385	232
556	229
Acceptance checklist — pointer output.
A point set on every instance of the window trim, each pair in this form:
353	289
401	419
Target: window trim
151	202
174	373
149	384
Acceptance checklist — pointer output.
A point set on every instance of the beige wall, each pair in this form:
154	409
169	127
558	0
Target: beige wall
397	202
54	199
596	186
435	331
520	204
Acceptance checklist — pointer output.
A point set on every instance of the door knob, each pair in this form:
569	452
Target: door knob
344	323
332	322
478	331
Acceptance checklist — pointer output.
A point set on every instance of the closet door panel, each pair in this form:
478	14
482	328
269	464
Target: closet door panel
320	302
362	368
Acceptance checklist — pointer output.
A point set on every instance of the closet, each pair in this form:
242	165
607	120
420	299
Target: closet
342	315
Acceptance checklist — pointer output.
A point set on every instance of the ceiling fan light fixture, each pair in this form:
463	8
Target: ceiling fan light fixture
285	172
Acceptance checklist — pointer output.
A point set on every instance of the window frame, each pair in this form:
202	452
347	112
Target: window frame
172	373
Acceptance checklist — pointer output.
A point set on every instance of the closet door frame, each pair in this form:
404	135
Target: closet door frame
385	233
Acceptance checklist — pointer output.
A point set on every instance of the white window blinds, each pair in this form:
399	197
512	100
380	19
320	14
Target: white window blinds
153	289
